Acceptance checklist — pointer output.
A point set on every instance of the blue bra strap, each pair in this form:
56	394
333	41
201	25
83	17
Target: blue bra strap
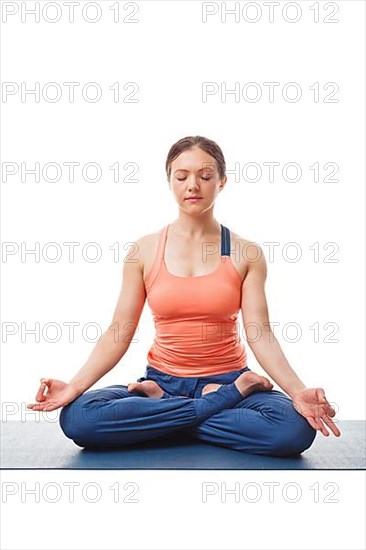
225	241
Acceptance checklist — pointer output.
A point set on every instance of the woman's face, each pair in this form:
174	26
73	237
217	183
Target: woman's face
195	173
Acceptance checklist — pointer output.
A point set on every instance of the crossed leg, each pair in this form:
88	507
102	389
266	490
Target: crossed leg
114	417
263	423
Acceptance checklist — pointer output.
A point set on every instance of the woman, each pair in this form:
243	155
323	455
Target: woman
196	276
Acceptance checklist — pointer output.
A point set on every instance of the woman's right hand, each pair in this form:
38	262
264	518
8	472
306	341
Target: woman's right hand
58	395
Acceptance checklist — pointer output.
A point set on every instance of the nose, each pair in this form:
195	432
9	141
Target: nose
192	183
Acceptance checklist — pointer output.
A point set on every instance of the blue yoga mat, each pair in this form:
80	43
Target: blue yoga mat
43	445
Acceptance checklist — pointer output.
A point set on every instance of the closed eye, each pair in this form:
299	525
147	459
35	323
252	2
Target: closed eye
182	179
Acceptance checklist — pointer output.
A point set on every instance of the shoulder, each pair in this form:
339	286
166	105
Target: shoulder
249	249
145	247
145	242
249	253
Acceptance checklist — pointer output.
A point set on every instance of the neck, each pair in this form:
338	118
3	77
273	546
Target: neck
195	227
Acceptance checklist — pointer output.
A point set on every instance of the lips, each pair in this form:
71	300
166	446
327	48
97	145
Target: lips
193	198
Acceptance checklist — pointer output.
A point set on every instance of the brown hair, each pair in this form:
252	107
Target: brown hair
203	143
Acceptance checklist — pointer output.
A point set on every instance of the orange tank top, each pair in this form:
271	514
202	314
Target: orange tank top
195	317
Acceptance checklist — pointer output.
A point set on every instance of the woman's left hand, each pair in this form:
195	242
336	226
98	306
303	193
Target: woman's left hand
313	405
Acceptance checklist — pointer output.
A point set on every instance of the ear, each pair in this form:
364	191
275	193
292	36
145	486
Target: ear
223	183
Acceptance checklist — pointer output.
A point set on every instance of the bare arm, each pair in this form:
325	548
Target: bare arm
115	341
260	337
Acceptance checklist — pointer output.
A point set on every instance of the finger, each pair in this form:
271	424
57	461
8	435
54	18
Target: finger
329	410
318	418
50	406
323	428
40	394
35	406
318	423
331	425
320	393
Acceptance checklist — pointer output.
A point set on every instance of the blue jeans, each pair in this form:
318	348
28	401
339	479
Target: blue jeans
264	422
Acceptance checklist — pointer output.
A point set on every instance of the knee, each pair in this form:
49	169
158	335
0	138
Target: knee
75	423
296	436
303	435
65	421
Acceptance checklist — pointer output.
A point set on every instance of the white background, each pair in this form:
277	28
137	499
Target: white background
169	53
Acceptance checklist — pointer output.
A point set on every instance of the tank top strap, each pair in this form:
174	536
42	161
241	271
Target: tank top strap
155	268
225	241
157	263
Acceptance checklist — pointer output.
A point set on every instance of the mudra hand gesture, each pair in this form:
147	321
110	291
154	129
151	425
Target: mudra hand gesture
58	395
312	404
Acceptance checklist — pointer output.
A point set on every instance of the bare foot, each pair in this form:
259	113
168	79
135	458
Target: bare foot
210	387
147	387
249	381
246	383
